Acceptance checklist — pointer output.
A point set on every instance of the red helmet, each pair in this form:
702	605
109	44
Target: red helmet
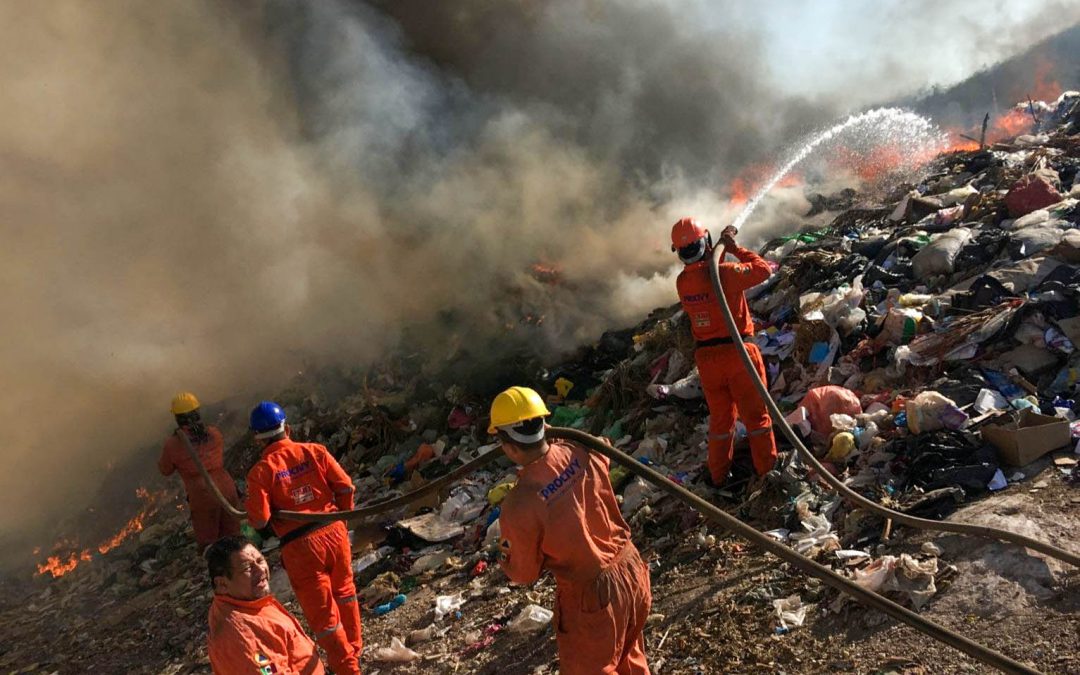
686	231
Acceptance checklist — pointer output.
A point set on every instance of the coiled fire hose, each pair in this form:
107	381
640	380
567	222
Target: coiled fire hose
849	494
711	512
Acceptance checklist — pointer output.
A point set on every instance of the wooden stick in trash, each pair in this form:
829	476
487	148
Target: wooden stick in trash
982	136
886	532
1022	382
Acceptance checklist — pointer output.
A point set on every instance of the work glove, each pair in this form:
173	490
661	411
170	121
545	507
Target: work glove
727	237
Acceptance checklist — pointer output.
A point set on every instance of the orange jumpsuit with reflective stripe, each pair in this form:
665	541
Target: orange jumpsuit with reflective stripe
563	517
305	477
728	387
253	637
208	519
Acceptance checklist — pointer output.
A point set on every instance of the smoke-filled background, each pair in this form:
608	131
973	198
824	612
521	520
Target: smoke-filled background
206	195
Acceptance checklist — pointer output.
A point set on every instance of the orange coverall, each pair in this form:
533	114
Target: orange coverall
727	385
563	517
208	519
258	636
305	477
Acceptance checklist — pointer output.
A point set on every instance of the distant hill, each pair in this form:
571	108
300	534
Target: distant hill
1043	71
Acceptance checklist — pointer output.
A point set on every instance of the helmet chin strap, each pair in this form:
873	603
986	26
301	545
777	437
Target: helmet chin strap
271	433
523	438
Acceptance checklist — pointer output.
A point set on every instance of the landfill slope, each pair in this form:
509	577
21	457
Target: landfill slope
900	330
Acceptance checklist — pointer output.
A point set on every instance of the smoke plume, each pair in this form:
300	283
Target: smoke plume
203	195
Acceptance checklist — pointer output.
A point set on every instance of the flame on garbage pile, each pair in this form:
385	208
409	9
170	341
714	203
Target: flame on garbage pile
744	185
1045	87
1016	120
60	564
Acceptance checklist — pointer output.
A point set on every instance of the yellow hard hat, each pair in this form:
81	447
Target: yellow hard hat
184	403
514	405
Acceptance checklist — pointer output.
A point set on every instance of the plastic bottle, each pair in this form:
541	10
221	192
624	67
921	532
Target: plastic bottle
370	559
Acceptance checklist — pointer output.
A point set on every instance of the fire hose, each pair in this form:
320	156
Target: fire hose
849	494
725	520
710	511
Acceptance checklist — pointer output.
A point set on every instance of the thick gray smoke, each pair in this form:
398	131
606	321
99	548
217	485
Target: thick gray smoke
201	195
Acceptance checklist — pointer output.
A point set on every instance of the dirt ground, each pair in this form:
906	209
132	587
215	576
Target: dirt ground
712	610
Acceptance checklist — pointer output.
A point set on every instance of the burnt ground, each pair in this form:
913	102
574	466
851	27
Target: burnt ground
712	608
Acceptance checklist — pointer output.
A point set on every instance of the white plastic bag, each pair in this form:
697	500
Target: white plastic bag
397	652
533	617
445	604
790	611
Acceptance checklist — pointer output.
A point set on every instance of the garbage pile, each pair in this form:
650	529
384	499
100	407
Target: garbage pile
924	344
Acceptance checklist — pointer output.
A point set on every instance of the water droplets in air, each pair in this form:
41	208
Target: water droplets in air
912	136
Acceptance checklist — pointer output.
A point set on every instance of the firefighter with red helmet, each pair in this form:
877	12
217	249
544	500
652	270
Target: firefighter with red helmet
728	388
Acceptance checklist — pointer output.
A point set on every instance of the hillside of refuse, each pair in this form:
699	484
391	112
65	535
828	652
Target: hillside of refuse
922	336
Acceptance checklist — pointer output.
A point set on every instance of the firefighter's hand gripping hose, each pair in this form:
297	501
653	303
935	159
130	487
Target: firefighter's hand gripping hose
836	483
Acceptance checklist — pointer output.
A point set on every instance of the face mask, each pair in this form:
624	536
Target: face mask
691	253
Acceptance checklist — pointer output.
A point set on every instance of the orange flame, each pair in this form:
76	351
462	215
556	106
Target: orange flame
750	180
546	274
1046	87
59	565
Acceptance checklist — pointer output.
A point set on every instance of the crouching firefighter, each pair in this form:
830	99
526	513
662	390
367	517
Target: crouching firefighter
562	516
727	385
316	556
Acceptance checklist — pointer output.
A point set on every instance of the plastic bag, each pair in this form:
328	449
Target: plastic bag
533	617
445	604
397	652
823	402
938	256
790	611
925	411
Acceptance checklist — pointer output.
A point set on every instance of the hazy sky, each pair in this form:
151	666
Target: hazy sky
820	47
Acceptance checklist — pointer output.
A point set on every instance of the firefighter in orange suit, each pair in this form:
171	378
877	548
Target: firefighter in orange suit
250	631
317	557
209	520
728	387
562	516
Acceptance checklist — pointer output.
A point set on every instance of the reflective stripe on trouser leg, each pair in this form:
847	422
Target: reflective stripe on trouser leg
721	450
324	633
762	449
346	600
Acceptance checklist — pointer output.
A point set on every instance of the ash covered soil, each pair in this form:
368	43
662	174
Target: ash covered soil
912	299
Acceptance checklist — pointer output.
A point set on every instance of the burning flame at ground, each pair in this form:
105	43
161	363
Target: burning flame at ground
546	274
59	565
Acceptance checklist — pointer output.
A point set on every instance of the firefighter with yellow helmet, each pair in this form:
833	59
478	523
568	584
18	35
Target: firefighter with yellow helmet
209	520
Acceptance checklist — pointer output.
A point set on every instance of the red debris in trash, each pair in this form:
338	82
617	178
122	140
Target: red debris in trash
1031	193
479	569
460	418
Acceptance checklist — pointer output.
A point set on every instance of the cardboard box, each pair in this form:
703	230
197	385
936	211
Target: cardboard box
1023	441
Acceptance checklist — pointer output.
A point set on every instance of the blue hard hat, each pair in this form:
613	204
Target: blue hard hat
267	417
